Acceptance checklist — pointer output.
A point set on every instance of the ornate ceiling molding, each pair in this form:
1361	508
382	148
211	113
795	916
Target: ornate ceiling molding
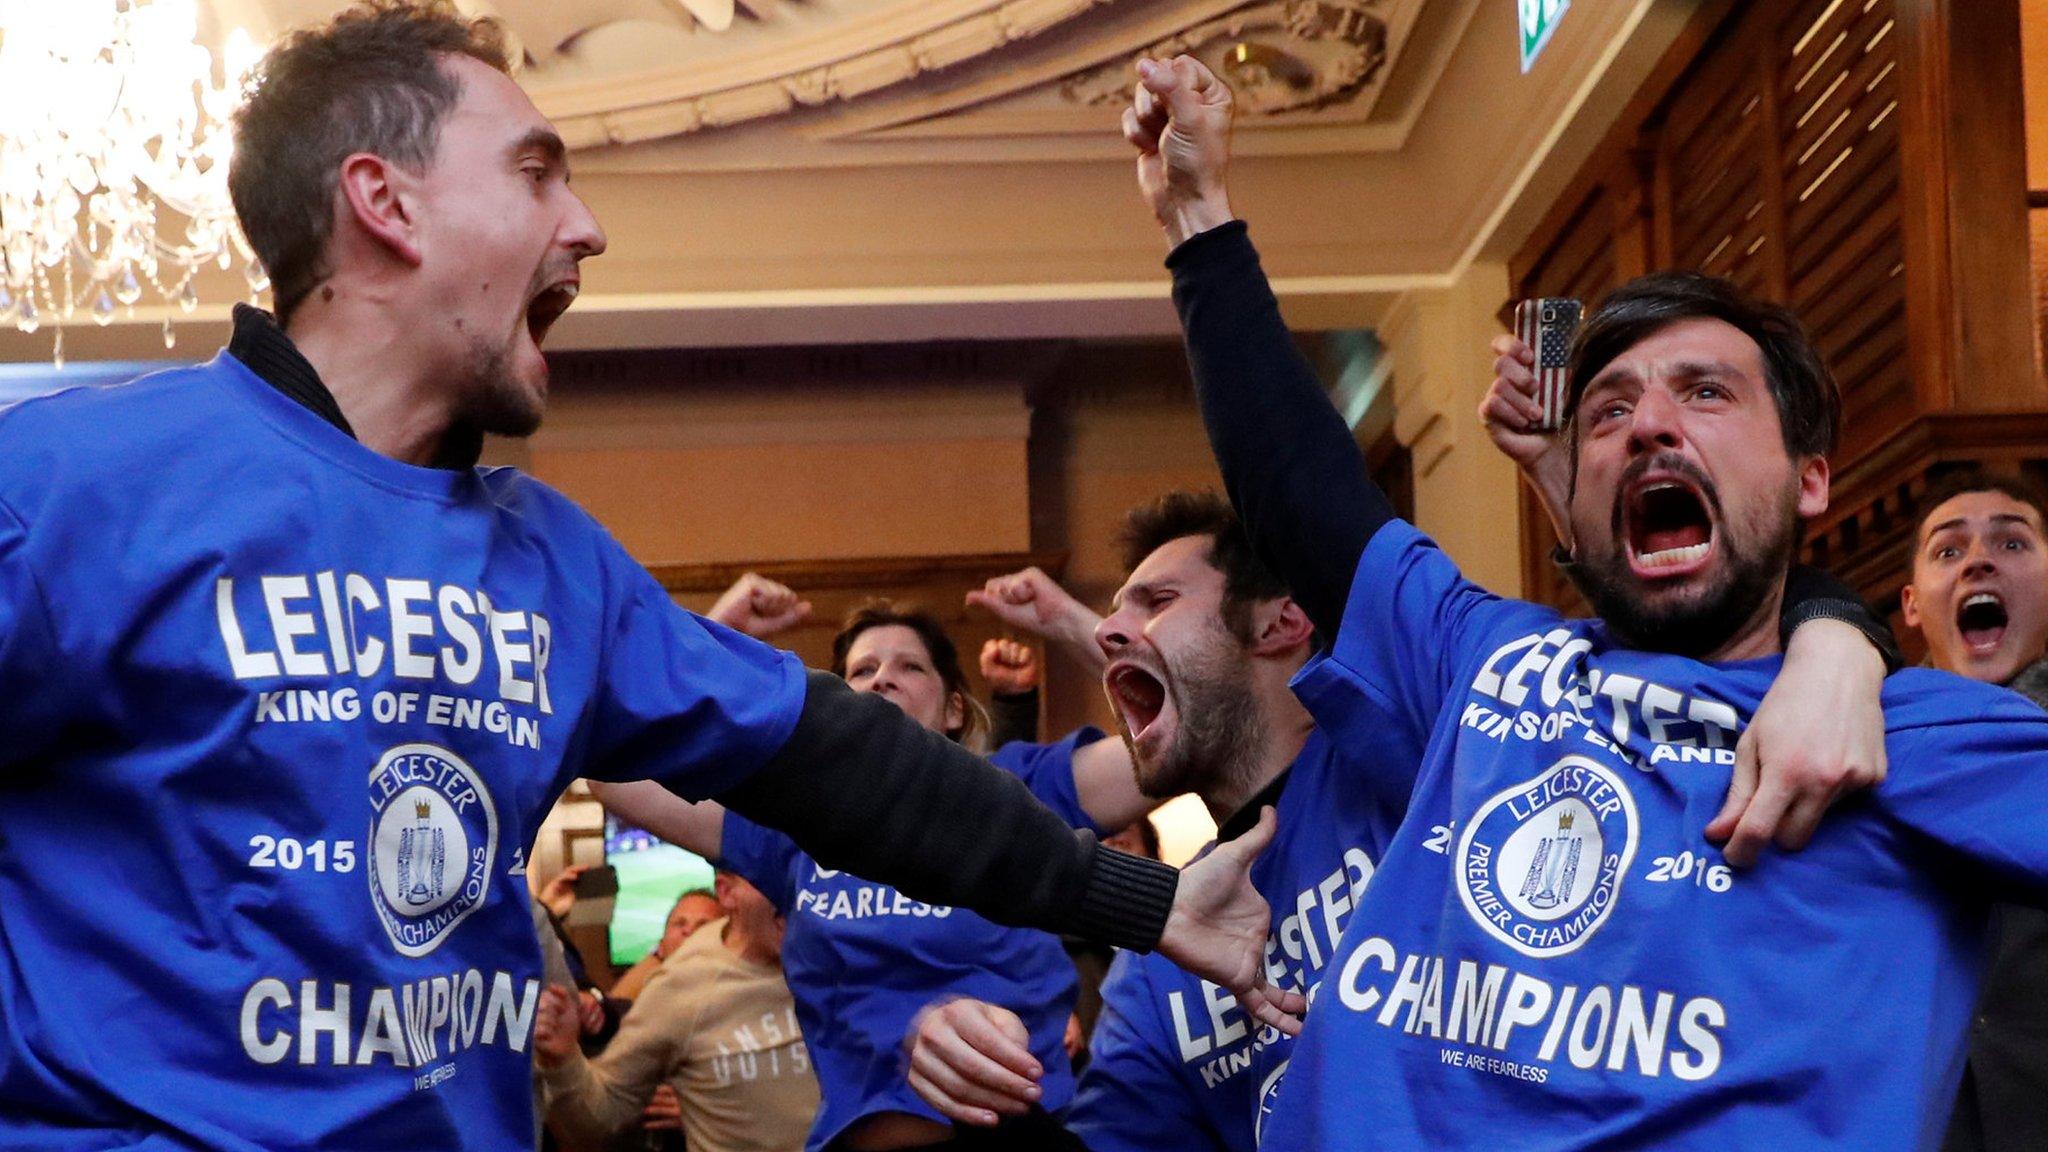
907	41
1278	57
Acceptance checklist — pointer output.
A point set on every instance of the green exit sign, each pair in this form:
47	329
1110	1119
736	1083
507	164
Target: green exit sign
1539	20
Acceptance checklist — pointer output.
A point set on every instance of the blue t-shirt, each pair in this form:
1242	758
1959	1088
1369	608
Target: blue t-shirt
1551	955
1173	1065
862	959
282	717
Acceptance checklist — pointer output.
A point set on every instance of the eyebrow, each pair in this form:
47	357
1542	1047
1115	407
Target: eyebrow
1617	374
1117	601
548	143
1962	522
1694	369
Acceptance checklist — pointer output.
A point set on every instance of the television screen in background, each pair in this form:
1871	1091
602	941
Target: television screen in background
652	874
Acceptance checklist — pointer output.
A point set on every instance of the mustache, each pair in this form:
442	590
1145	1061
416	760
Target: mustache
1665	461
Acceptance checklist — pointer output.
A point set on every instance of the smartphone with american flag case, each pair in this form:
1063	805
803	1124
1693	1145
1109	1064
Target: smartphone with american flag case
1548	325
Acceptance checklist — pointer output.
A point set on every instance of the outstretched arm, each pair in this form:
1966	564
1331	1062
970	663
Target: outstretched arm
1290	466
863	788
697	826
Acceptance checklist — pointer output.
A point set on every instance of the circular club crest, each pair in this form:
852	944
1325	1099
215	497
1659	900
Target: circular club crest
1540	864
433	835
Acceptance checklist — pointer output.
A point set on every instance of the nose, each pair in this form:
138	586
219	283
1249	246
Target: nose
1654	425
1979	560
581	232
1113	634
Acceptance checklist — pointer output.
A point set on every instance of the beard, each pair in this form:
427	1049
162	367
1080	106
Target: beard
493	399
1753	558
1220	730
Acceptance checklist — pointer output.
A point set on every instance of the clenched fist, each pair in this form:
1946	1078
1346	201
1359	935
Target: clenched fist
759	607
557	1025
1008	667
1179	121
1031	601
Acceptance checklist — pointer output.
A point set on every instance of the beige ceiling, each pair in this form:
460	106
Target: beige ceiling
793	171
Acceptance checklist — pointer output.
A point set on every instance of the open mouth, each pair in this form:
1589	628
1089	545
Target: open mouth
547	306
1138	695
1670	530
1981	618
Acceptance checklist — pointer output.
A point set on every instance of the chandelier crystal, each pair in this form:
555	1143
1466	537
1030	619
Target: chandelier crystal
114	149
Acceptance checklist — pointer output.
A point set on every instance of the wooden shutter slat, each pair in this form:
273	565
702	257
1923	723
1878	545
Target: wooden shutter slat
1838	273
1875	156
1867	86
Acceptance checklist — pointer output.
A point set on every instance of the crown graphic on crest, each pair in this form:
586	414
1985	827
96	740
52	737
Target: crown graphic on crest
422	809
1564	822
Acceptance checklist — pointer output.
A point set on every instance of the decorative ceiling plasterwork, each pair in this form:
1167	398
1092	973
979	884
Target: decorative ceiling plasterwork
851	59
792	56
1278	57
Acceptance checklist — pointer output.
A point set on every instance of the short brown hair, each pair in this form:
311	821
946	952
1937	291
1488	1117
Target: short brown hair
370	80
1808	400
1967	480
882	613
1246	579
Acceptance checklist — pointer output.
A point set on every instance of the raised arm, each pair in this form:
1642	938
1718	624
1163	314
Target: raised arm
1289	463
1031	601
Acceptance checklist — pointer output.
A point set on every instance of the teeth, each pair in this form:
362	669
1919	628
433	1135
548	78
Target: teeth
570	290
1659	487
1672	557
1981	598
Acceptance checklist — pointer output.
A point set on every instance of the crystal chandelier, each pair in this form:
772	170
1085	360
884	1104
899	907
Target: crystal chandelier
114	147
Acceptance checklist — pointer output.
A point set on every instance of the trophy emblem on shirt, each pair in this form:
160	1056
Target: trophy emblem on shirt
433	844
422	853
1555	867
1540	864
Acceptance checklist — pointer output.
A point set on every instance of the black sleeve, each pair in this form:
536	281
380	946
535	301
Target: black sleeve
1012	716
1291	468
1811	594
863	788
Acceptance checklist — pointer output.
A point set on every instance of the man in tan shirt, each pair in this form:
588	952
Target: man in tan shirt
716	1024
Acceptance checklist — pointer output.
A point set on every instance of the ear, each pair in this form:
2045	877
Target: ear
956	712
1909	606
722	886
1813	487
377	195
1279	627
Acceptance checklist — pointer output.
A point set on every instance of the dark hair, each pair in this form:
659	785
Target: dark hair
1148	835
882	613
1809	403
1205	513
370	80
1967	480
